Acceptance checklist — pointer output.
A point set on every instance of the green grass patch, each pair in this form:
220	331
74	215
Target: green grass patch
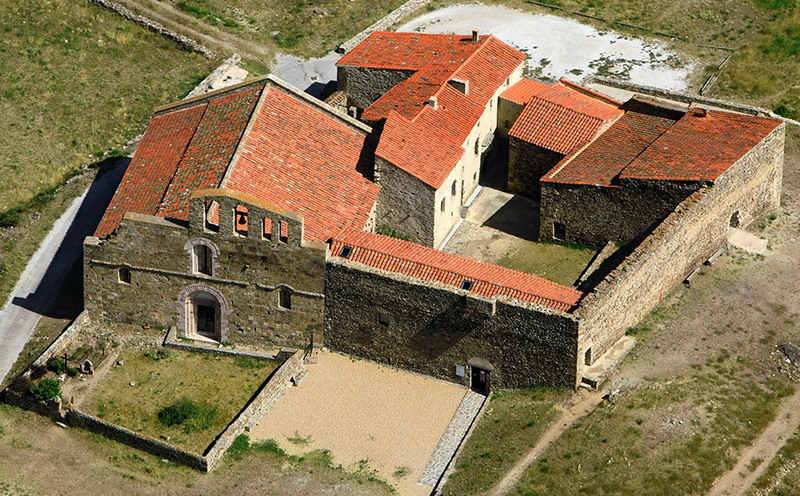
781	474
512	424
211	389
559	263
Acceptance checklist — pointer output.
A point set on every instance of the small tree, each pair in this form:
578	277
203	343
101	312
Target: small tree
46	389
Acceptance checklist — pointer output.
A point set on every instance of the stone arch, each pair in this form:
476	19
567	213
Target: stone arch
202	294
189	247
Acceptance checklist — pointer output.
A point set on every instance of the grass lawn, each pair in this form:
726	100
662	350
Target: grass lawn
558	263
221	383
76	81
512	424
308	29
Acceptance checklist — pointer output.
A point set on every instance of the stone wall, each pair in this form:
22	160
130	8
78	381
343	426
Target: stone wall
686	238
404	203
249	275
280	380
432	329
64	340
383	23
363	86
507	114
595	214
527	163
76	418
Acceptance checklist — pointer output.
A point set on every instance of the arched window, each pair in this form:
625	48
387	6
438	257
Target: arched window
202	262
442	207
453	189
477	140
285	299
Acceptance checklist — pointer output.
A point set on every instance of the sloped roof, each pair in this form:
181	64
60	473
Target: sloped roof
433	59
700	146
523	90
297	154
304	160
427	264
560	118
603	159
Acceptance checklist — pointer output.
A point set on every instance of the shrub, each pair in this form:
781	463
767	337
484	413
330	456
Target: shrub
46	389
157	354
72	371
390	231
57	365
192	417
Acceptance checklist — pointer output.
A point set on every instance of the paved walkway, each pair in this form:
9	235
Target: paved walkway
38	287
451	439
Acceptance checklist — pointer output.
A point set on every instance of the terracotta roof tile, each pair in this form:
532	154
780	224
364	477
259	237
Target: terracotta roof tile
603	159
700	146
404	257
299	158
156	159
523	90
409	51
560	119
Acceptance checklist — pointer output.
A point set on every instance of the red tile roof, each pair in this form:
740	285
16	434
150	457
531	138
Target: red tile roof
296	156
602	160
304	160
523	90
404	257
149	173
560	118
700	146
435	59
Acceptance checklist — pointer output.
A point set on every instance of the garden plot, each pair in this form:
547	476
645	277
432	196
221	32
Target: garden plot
560	47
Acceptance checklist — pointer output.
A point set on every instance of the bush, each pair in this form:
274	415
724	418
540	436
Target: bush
192	417
57	365
157	354
46	389
72	371
390	231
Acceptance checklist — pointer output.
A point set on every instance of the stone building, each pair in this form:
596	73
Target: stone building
435	98
248	215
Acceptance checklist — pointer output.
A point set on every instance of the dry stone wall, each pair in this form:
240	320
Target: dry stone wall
432	329
363	86
527	163
405	203
686	238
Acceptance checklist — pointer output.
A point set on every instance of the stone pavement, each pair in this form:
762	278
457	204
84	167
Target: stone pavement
451	439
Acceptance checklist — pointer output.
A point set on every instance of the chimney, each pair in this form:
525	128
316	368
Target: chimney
474	35
433	102
460	85
699	112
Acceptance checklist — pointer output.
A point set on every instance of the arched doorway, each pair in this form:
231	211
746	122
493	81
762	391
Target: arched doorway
203	313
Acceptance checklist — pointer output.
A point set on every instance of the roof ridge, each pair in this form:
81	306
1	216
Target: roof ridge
564	107
243	137
174	106
632	160
467	60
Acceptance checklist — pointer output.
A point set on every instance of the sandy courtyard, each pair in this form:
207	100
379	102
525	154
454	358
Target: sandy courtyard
361	410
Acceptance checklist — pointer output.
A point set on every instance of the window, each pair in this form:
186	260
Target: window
477	140
442	206
212	216
202	262
284	231
587	357
267	229
735	221
467	285
124	275
453	189
559	231
285	299
508	80
346	251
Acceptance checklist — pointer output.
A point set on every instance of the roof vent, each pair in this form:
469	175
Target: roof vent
474	35
346	251
699	112
433	102
460	85
467	285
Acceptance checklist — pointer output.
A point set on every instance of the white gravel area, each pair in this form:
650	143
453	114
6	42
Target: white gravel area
360	410
562	47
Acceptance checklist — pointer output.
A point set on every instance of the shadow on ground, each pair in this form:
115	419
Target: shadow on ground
60	292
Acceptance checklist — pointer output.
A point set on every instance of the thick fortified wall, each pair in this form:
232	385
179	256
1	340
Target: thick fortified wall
686	238
436	330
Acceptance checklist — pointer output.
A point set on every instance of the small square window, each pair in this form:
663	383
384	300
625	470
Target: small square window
124	275
346	251
467	285
559	231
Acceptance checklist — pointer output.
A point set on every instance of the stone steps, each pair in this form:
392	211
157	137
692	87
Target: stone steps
451	439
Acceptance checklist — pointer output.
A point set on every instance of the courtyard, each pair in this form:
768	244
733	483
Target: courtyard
364	413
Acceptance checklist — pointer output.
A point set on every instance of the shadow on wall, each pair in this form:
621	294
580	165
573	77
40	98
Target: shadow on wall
519	217
64	275
446	329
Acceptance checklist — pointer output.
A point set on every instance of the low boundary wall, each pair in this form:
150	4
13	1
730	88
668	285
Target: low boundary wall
383	23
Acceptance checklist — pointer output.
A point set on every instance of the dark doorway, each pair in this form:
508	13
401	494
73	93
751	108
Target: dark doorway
480	380
206	321
735	222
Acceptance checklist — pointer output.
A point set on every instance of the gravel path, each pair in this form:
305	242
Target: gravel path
360	410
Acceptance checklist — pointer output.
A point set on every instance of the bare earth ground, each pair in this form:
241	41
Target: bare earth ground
364	412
